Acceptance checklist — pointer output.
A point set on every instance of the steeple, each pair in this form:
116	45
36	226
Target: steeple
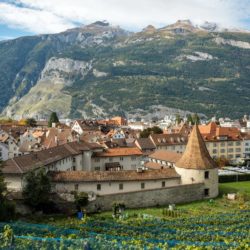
196	155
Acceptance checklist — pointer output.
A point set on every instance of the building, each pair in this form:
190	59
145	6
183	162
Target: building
109	175
74	156
223	142
114	159
171	142
4	152
162	159
85	127
145	145
107	183
197	166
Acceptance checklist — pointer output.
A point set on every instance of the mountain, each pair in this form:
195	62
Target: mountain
98	69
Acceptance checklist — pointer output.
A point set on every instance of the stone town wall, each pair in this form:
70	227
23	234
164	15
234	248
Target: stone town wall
150	198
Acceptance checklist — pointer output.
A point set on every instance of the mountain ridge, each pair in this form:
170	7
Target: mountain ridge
161	66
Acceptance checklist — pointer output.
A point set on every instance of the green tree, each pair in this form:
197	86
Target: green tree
7	208
3	188
148	131
53	119
196	119
193	119
189	119
178	118
37	190
31	122
81	200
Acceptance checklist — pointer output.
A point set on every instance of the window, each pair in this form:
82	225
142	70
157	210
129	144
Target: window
142	185
97	159
110	159
76	187
133	158
121	158
214	151
215	144
230	143
97	168
238	143
74	159
238	149
222	150
230	150
222	144
206	174
206	191
163	184
74	168
98	187
121	186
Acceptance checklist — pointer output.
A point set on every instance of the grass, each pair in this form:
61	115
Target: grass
234	187
219	205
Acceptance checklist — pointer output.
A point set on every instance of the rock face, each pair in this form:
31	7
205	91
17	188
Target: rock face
100	70
198	56
48	94
234	43
64	70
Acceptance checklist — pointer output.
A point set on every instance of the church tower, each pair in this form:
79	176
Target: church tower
197	166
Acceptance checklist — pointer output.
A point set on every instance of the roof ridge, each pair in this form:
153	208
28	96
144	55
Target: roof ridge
17	165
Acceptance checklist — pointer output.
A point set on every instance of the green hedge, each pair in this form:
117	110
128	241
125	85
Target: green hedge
233	178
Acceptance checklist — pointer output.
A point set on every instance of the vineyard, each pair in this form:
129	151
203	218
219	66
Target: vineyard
218	231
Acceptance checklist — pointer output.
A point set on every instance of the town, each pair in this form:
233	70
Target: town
115	156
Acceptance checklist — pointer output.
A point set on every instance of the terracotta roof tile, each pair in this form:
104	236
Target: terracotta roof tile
112	152
165	155
196	155
145	144
99	176
38	159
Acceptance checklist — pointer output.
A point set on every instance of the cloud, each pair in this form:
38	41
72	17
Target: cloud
57	15
36	21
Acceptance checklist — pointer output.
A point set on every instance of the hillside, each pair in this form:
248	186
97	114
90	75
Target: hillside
98	69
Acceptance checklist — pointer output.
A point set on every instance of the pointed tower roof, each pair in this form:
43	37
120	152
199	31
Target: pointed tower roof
196	155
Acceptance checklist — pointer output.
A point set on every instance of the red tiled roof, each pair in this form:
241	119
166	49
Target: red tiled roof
196	155
165	155
38	159
112	152
213	132
168	139
100	176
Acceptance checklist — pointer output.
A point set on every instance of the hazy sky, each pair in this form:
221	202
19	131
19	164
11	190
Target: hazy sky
24	17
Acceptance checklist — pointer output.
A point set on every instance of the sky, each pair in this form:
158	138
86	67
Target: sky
28	17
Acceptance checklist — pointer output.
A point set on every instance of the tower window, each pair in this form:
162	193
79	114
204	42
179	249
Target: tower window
206	191
121	186
163	184
206	175
98	186
142	185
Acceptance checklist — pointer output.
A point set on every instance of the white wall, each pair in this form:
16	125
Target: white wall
190	176
128	162
4	152
113	186
14	182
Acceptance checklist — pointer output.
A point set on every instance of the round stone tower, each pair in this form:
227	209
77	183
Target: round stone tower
197	166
